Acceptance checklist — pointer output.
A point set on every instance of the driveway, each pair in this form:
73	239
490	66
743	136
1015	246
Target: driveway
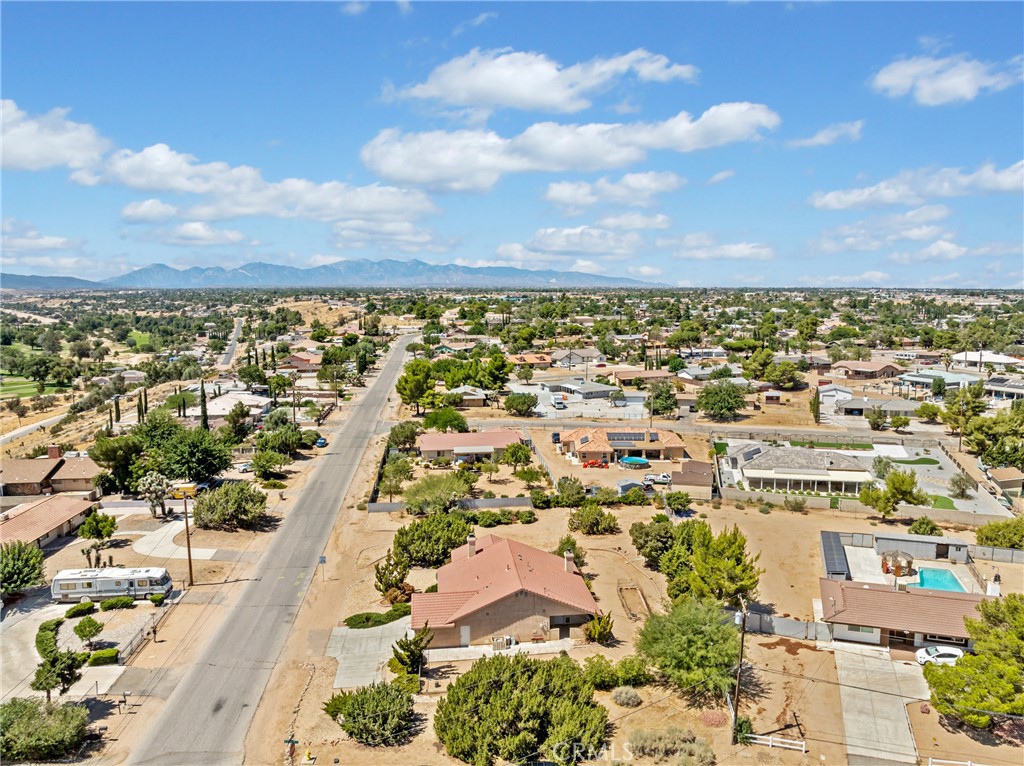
874	692
18	657
363	653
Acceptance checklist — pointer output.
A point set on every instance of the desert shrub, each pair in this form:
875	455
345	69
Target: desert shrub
407	682
626	696
378	714
659	743
795	504
275	484
599	629
118	602
488	519
527	517
744	728
80	610
103	657
46	638
36	730
632	671
489	495
697	753
158	599
376	619
431	588
507	516
740	505
591	520
401	594
600	672
540	499
634	496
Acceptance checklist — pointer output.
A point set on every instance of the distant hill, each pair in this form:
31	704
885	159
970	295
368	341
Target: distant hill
20	282
361	273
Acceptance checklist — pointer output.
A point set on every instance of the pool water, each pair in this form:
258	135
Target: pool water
938	579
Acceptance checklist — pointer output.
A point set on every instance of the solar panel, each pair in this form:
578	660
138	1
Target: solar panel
834	555
625	437
584	439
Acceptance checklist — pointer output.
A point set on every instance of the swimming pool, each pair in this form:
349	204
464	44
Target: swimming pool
938	579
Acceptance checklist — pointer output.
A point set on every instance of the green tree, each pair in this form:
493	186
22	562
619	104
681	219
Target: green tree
721	401
928	412
570	491
617	397
1003	534
204	420
410	652
695	646
991	680
652	539
61	670
678	502
389	573
516	455
723	570
99	527
599	629
389	485
21	566
435	493
530	475
876	418
196	455
568	543
88	628
591	520
116	455
756	366
816	405
783	375
403	436
524	373
229	507
881	466
900	487
267	464
939	387
446	419
38	731
520	405
924	526
237	420
374	715
661	398
155	488
960	485
899	422
414	382
252	375
428	542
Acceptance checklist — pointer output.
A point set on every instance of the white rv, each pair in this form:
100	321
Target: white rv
98	584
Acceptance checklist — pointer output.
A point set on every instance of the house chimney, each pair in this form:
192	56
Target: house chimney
471	542
570	561
53	451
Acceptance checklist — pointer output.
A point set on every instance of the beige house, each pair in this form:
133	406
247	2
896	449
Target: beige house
42	521
28	477
865	370
476	445
76	475
497	591
610	445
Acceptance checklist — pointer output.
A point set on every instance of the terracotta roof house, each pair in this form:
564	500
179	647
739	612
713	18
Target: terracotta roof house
874	613
536	361
76	475
611	444
28	477
476	444
301	361
495	588
42	521
695	478
865	370
638	377
471	396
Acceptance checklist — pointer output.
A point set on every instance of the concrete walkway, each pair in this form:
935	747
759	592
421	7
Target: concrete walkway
18	657
160	544
363	653
874	692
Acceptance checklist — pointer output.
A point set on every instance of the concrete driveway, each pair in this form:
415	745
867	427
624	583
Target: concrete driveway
18	657
363	653
874	692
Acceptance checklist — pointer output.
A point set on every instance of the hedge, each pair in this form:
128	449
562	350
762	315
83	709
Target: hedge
118	602
158	599
46	638
80	610
376	619
103	657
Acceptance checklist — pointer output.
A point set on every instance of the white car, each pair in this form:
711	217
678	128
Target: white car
940	655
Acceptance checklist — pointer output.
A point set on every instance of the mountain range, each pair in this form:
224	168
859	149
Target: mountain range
357	273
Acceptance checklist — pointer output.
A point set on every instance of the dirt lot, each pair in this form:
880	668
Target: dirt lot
939	738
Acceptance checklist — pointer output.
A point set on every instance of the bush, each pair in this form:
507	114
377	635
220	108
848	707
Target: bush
46	638
925	526
659	743
118	602
407	682
539	498
104	657
1003	534
428	542
599	629
488	519
600	673
632	671
697	753
591	520
21	566
80	610
626	696
431	588
378	714
230	506
527	517
568	543
35	730
744	728
158	599
635	496
274	484
795	504
376	619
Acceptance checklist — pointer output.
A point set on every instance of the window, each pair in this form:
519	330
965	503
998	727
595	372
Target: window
143	583
859	629
117	583
945	639
87	585
67	586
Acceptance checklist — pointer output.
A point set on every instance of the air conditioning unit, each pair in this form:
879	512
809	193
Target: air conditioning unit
499	642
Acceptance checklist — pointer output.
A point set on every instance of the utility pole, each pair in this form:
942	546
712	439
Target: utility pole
741	620
188	545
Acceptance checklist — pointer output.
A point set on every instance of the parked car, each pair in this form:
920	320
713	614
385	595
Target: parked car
321	442
556	437
939	655
245	468
658	478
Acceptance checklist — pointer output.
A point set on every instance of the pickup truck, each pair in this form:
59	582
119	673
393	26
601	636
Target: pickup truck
658	478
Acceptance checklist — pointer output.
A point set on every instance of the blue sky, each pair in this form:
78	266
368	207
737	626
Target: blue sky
703	144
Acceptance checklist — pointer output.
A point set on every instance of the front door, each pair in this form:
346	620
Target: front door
464	635
942	551
131	588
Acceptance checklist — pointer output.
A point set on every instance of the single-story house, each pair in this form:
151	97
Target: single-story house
874	613
625	485
611	444
1004	388
797	468
536	361
889	407
715	352
496	589
576	356
583	389
483	445
217	408
301	361
979	359
42	521
641	377
471	396
832	395
695	478
852	370
451	347
76	474
1009	479
29	476
922	380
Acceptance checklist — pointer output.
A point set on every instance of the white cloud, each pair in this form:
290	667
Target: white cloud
723	175
526	80
147	211
913	187
476	159
584	240
645	271
47	141
849	131
701	246
400	235
404	6
637	189
198	234
940	250
936	81
23	237
866	278
635	221
476	21
240	191
872	234
354	8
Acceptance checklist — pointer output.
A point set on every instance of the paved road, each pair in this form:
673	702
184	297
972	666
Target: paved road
206	719
229	352
18	433
567	424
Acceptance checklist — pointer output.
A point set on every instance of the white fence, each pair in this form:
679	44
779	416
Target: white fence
785	744
940	762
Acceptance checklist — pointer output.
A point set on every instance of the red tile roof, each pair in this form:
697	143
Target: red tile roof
28	471
29	522
498	438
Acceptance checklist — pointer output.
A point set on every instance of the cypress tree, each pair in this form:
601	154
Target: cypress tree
110	421
138	408
204	422
117	410
145	401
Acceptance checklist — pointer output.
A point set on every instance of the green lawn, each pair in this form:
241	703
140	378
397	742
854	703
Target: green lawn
721	448
15	385
943	503
918	461
831	445
140	337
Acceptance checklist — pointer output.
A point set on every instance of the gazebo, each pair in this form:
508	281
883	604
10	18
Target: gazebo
897	563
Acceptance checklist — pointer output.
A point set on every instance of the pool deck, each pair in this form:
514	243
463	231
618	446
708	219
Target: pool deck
866	566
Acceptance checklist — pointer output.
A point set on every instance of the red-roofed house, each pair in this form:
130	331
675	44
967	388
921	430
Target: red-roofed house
494	587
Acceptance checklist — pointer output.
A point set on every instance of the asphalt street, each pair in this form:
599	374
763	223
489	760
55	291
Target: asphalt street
229	352
205	721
